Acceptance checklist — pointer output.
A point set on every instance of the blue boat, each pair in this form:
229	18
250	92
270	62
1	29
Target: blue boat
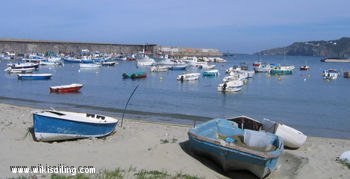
214	72
71	60
236	149
134	75
42	76
52	125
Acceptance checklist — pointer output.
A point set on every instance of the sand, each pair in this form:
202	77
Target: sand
140	145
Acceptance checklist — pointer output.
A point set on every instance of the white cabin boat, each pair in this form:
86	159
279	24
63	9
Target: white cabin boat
159	68
231	86
145	61
188	76
90	65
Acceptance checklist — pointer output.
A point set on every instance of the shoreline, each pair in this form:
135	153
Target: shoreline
139	144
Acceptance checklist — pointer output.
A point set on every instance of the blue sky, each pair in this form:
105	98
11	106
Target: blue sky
241	26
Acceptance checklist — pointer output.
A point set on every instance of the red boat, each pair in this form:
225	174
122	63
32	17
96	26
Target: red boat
66	88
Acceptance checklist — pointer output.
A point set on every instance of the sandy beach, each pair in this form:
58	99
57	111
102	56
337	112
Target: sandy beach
142	145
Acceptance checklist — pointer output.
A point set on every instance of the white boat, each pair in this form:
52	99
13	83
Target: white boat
90	65
171	62
159	68
188	76
330	74
292	138
207	66
231	86
145	61
193	61
263	68
19	70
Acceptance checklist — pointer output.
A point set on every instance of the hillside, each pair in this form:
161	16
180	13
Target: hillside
333	48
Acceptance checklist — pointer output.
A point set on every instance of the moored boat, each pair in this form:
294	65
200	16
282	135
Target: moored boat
90	65
214	72
135	75
159	68
188	77
75	87
23	65
282	70
52	125
19	70
347	74
236	149
178	67
231	86
330	74
108	63
292	138
41	76
304	67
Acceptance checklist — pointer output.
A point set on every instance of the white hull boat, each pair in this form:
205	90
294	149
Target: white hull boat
292	137
188	77
231	86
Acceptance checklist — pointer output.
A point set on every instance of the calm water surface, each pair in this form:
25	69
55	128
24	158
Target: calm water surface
302	100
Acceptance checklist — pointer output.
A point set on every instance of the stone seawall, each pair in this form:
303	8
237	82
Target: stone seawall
30	46
39	46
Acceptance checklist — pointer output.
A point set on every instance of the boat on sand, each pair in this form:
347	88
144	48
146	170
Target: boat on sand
234	148
52	125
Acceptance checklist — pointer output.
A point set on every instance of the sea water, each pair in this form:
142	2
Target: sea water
303	100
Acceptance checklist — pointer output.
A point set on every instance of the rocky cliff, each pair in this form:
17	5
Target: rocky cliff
333	48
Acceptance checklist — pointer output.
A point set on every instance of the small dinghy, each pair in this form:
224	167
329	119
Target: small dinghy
52	125
66	88
134	75
41	76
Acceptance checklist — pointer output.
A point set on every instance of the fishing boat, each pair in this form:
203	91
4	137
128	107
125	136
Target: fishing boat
178	67
292	138
206	66
23	65
145	61
282	70
304	67
159	68
135	75
41	76
214	72
52	125
71	60
330	74
263	68
236	149
257	64
90	65
231	86
75	87
19	70
188	77
109	63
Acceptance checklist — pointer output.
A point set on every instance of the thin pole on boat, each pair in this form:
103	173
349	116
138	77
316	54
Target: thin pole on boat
126	105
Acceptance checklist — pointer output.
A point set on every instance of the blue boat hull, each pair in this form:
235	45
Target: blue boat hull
34	77
232	155
53	129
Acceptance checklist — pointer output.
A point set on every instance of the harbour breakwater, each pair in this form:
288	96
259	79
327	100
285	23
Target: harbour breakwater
44	46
